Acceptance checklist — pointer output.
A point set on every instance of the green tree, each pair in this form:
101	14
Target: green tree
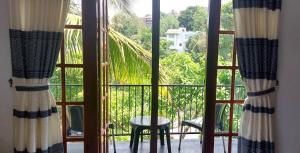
227	16
127	24
225	50
197	44
186	17
181	69
144	38
194	18
200	18
167	21
164	46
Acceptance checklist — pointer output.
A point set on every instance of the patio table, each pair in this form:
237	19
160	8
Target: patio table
141	123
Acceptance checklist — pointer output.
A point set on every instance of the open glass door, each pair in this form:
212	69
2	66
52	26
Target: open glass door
103	69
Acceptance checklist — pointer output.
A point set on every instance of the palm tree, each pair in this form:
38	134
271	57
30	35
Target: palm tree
129	62
121	4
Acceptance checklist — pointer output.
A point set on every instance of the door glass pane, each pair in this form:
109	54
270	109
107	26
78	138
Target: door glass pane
234	145
237	114
226	15
73	46
55	84
225	50
224	84
75	13
74	84
221	144
59	109
59	58
239	88
222	117
75	147
75	121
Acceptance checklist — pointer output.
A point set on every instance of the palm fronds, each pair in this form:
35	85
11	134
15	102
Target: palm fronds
130	63
121	4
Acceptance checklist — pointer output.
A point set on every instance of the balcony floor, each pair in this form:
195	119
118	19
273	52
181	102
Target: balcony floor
187	146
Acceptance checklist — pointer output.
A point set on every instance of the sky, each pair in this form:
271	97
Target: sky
143	7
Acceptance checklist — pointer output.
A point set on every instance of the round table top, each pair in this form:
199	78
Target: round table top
145	121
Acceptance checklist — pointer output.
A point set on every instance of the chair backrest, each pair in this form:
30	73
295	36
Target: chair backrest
220	111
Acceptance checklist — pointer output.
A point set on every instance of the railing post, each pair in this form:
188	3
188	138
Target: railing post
142	110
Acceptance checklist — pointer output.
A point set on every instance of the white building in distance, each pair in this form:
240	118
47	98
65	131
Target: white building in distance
179	37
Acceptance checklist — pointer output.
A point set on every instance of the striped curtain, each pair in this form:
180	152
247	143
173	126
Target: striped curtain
36	31
256	24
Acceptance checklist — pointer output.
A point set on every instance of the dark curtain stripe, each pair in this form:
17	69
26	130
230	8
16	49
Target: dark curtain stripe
254	109
257	58
261	93
56	148
270	4
249	146
34	53
33	88
35	115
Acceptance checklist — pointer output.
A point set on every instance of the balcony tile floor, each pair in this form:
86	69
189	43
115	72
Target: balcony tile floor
187	146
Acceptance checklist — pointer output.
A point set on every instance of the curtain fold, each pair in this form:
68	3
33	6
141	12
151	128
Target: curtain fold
256	38
36	32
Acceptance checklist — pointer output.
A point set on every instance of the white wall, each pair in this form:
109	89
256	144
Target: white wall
6	104
288	104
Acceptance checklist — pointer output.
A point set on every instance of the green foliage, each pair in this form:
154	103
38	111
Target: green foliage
197	45
130	62
200	18
227	16
144	38
186	17
194	18
181	69
225	50
167	21
164	48
127	24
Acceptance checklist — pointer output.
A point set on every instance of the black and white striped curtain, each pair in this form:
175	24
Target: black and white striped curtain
36	31
256	24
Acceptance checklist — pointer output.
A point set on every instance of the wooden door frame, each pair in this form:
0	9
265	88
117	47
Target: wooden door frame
211	75
90	78
155	73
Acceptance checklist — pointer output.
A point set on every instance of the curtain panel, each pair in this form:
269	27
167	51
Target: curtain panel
36	32
256	38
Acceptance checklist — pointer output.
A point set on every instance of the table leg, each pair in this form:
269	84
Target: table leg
131	137
161	134
137	132
179	147
168	139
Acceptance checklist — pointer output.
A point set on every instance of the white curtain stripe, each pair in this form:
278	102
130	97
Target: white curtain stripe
256	23
38	15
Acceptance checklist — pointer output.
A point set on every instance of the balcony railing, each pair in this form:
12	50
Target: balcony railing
176	102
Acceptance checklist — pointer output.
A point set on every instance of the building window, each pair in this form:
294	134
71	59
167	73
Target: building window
171	36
